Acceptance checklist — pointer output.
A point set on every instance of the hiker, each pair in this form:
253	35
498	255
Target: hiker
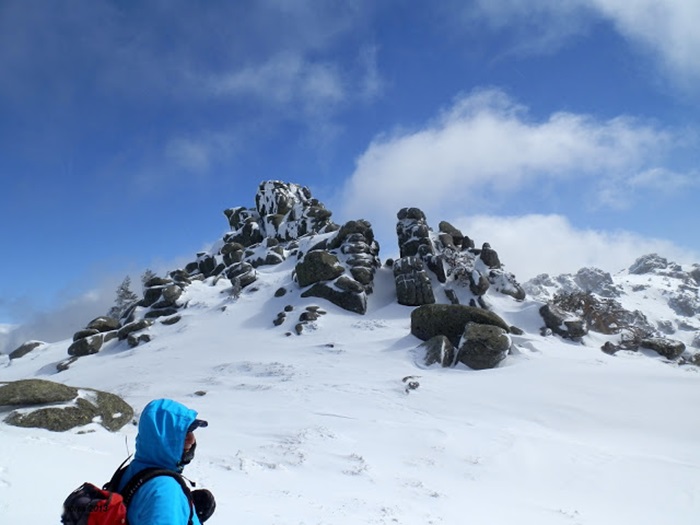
166	440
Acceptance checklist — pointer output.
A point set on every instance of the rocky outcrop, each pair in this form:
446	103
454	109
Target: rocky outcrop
450	320
44	404
451	257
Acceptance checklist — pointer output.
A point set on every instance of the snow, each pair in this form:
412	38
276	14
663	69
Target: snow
320	429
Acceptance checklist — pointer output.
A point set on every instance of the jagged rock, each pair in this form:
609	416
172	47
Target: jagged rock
134	326
413	285
563	323
695	273
685	304
413	232
350	301
489	256
288	211
450	320
439	350
112	411
595	280
648	263
316	266
86	346
103	324
25	348
506	284
483	346
667	348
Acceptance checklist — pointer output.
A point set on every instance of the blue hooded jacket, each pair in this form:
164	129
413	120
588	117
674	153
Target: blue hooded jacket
159	443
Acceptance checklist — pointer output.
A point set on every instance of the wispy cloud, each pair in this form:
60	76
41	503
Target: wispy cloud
665	30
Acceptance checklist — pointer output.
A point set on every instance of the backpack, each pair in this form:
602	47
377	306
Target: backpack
90	505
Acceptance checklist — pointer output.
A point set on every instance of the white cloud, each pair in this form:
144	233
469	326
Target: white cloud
534	244
668	29
486	142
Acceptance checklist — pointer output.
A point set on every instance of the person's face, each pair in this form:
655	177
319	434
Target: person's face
189	441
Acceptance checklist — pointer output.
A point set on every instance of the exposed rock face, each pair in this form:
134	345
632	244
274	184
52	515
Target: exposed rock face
451	257
40	402
483	346
648	263
586	280
341	268
450	320
413	285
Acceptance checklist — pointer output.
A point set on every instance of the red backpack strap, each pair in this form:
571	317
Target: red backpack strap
141	477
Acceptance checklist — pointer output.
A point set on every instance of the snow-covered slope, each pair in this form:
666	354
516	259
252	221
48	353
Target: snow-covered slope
318	428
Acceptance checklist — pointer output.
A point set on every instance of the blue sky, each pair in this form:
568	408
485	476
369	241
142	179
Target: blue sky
563	133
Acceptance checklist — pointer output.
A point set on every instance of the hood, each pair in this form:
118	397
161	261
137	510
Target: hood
162	428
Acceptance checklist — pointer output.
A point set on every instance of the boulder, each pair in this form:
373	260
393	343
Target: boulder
489	256
483	346
28	392
34	394
317	266
241	274
103	324
668	348
450	320
563	323
86	346
439	350
648	263
25	348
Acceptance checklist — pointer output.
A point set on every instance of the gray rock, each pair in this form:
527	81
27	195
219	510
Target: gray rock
350	301
413	285
81	334
134	326
450	320
242	273
563	323
439	350
104	324
667	348
489	256
25	348
648	263
483	346
27	392
86	346
112	412
317	266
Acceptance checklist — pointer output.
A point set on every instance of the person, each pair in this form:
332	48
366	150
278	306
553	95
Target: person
166	440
